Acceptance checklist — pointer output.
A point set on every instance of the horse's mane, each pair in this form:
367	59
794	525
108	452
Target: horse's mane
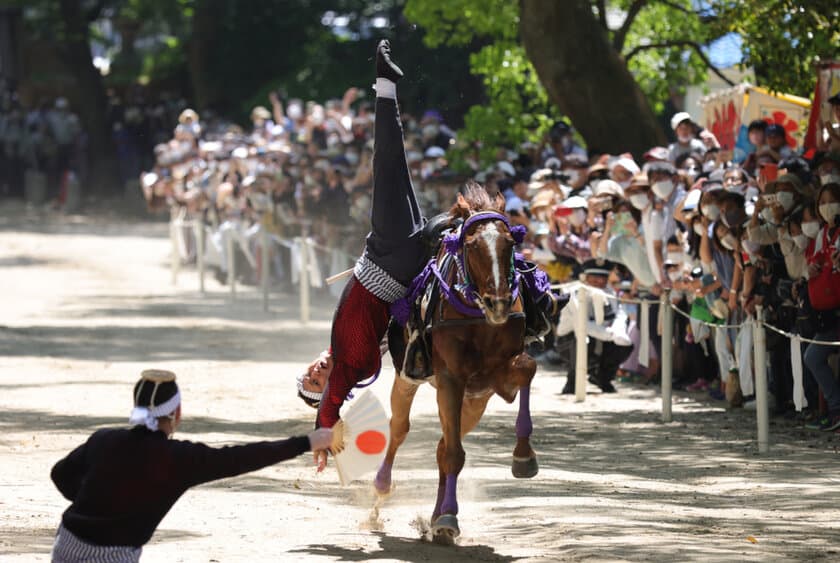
475	199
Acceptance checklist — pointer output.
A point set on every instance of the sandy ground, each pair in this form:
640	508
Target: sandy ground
87	303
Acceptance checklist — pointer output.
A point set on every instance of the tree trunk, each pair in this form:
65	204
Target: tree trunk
586	77
206	22
74	49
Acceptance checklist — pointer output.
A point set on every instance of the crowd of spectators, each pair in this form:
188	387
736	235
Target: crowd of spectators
45	139
720	237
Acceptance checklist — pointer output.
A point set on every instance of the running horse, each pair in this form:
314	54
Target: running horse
477	349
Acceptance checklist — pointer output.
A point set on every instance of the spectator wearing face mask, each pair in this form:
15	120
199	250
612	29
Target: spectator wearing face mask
575	168
794	238
570	233
782	197
623	243
666	186
686	131
823	255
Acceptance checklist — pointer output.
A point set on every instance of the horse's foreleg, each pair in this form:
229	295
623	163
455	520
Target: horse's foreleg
450	456
402	397
524	458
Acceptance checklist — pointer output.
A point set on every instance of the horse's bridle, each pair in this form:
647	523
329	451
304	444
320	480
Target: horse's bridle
454	245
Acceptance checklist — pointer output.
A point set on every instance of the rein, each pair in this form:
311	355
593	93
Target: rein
453	244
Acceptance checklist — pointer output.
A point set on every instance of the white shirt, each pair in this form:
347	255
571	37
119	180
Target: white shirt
614	330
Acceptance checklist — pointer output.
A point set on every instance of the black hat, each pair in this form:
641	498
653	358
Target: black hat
598	267
775	129
835	99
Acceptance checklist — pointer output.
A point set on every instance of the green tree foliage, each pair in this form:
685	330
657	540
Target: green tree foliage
662	42
783	39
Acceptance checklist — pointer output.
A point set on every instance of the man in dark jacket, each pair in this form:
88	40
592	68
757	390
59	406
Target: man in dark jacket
123	481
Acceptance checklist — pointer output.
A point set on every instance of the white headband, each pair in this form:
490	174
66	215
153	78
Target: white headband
312	395
148	416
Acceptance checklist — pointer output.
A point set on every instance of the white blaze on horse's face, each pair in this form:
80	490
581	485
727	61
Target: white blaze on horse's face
495	300
491	239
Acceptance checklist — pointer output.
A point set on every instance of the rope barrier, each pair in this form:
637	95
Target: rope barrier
802	338
712	325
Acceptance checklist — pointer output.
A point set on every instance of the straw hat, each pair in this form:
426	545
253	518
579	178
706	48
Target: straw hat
188	115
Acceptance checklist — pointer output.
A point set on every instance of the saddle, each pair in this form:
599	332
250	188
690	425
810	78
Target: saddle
417	362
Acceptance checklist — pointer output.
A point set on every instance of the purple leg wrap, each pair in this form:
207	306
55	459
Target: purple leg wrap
450	500
440	493
523	419
382	481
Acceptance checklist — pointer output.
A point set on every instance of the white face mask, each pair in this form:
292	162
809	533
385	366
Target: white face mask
810	229
801	241
675	257
352	158
698	229
639	201
708	166
831	178
675	275
728	241
573	175
711	211
736	188
625	184
663	188
829	211
785	199
294	112
684	139
577	217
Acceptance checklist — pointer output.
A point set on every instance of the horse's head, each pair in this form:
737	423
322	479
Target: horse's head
487	253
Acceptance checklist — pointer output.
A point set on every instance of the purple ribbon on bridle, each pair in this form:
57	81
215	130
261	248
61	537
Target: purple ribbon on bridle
454	245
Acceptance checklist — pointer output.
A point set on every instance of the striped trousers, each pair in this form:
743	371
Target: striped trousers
69	548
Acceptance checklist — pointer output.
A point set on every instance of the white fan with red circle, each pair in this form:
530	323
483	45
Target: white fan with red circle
360	438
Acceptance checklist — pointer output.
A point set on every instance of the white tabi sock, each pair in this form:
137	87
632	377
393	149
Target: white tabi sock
385	89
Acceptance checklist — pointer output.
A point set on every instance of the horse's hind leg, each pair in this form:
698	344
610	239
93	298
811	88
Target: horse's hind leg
524	464
402	396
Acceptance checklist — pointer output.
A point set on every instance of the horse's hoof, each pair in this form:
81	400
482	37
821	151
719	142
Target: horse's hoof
382	480
445	529
525	468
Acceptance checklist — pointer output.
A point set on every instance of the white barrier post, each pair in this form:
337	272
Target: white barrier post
304	272
198	226
581	367
265	240
667	362
231	258
760	367
173	239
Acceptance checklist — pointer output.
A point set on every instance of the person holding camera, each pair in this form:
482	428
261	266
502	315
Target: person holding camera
823	255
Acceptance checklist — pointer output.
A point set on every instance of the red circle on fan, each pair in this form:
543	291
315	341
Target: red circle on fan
371	442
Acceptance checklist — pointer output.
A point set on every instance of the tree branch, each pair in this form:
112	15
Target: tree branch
705	14
602	13
621	33
679	43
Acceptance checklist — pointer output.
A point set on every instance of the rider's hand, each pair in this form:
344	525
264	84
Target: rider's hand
320	459
320	439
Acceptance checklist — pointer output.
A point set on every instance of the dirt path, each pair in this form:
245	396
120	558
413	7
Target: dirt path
87	303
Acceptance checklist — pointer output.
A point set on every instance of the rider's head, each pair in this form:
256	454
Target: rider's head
311	383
